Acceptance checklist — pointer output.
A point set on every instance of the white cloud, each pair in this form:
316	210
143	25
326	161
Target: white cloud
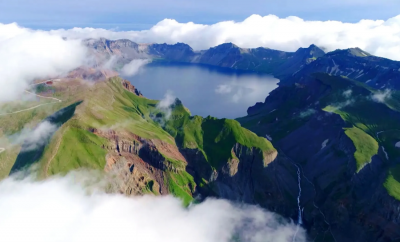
63	209
347	93
27	54
133	67
378	37
337	106
307	113
380	96
251	90
165	104
34	138
223	89
110	63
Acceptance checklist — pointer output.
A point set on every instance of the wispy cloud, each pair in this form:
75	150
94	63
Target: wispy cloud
381	96
250	90
307	113
72	209
133	67
223	89
165	104
347	93
33	138
339	105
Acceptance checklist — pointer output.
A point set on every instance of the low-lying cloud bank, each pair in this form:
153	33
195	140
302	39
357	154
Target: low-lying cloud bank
62	209
27	54
379	37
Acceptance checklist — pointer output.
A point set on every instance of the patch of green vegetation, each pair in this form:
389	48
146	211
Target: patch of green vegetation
181	185
174	163
128	107
366	146
214	137
392	183
78	148
149	188
150	185
43	88
28	155
358	109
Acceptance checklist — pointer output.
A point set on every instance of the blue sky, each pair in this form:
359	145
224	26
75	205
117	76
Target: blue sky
137	15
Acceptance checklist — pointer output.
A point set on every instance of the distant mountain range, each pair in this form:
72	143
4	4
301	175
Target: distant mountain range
353	63
324	147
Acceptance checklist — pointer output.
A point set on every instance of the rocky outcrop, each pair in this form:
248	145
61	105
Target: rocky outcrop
128	86
91	74
255	178
123	50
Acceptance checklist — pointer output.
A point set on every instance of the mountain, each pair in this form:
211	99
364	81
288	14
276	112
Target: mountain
345	142
356	64
326	117
110	126
323	147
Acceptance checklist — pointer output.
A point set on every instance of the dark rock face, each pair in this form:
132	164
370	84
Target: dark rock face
356	64
269	181
247	179
225	55
339	203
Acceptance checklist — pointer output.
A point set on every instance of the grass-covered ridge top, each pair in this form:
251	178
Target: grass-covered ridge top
214	137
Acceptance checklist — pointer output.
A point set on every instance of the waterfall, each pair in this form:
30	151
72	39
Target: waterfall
300	217
300	220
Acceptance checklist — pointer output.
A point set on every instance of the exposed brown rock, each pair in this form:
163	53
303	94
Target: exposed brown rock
91	74
128	86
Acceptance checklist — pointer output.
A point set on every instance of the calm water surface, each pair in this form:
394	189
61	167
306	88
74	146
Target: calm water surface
205	90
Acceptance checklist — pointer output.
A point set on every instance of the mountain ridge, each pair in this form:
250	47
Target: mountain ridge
377	72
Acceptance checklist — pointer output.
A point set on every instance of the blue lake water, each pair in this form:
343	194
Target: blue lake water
205	90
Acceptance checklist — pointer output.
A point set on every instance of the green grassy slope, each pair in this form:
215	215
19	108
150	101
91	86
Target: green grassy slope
374	123
107	105
214	137
392	183
366	146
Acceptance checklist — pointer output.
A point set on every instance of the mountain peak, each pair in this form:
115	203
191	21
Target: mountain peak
311	52
227	45
358	52
351	52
